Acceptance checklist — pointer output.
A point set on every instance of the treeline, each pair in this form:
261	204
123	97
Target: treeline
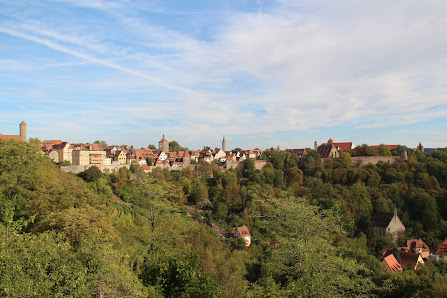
148	235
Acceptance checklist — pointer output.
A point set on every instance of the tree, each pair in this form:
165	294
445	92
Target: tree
306	263
199	193
174	146
149	161
236	150
152	146
344	161
384	150
92	174
204	169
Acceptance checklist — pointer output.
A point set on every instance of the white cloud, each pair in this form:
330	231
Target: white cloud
304	64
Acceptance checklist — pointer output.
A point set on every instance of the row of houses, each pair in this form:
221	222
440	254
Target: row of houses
96	154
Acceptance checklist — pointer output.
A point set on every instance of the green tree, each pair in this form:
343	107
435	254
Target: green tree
384	150
306	263
174	146
92	174
152	146
344	161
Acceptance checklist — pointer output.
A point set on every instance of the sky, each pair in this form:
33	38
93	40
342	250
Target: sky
261	73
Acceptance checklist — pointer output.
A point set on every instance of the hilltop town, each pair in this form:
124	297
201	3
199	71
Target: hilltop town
78	157
378	211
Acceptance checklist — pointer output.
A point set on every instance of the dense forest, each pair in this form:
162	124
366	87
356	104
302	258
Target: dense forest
138	234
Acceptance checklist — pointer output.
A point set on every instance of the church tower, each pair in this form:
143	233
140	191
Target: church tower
23	130
224	144
315	145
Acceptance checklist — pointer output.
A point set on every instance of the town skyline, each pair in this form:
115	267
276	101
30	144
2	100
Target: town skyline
23	135
264	73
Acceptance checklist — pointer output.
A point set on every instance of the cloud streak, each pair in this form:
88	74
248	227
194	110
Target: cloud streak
287	67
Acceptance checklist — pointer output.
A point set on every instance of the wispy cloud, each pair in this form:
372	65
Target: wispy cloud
277	67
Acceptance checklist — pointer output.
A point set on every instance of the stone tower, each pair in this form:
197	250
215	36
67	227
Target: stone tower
163	145
224	144
404	154
315	145
23	130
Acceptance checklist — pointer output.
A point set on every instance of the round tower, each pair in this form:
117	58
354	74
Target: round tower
315	145
404	154
23	130
224	144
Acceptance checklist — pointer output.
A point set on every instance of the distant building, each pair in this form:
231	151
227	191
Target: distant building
88	157
410	259
417	246
163	145
442	248
244	233
391	264
420	147
21	137
224	144
64	152
387	224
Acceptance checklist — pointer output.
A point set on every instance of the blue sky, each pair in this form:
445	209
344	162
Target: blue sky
262	73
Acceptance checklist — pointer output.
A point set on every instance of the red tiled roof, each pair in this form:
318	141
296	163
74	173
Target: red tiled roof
442	248
51	142
416	243
60	146
343	145
408	258
14	137
243	231
391	263
391	147
23	122
163	140
146	167
382	219
385	251
299	152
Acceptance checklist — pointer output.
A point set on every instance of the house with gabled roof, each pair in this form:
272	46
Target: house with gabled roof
219	155
327	150
417	246
65	152
410	259
387	224
442	248
299	152
244	233
391	264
